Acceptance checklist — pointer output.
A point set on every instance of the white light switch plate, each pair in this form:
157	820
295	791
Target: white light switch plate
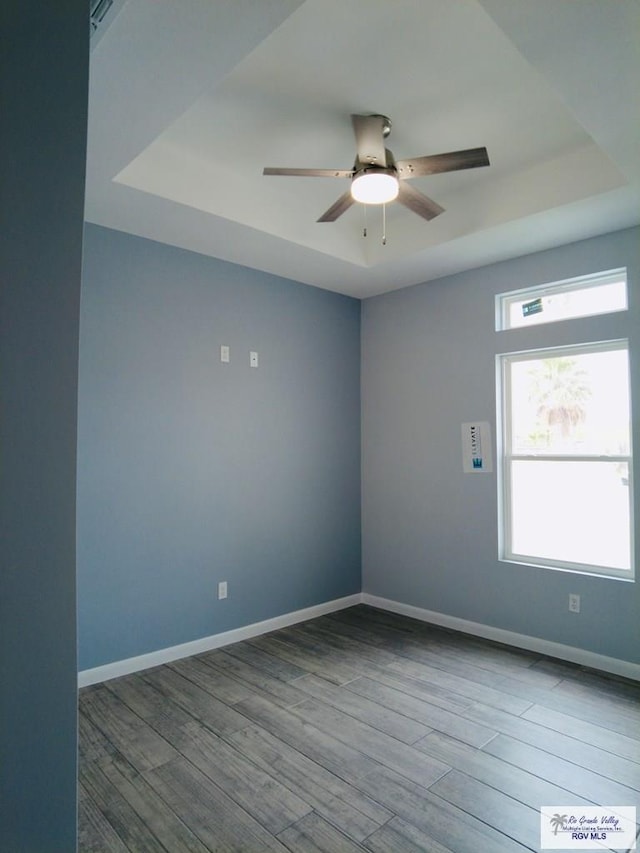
224	354
253	359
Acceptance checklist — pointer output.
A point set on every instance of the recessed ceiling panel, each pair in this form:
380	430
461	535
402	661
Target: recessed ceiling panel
443	72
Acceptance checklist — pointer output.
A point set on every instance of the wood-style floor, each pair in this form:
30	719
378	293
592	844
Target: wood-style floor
361	730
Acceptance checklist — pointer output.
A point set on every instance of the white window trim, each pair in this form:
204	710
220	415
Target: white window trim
506	457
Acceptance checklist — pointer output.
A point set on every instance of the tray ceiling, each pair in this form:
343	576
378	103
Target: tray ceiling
188	105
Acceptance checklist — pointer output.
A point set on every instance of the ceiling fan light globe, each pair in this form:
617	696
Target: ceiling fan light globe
378	186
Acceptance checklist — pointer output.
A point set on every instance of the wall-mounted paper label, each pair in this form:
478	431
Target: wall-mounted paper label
476	448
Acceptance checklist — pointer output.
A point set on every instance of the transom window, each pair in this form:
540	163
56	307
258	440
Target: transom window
562	300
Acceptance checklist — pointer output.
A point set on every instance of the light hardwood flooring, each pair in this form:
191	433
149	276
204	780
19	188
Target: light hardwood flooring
361	730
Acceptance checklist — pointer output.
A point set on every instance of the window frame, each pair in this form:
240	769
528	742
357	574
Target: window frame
506	457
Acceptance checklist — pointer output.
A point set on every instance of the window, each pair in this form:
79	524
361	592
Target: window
576	297
566	490
565	485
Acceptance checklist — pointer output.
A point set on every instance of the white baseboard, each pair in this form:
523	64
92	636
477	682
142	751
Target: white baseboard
215	641
572	654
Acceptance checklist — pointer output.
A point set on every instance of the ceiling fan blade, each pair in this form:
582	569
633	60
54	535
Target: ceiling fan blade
309	173
418	202
369	132
471	158
337	208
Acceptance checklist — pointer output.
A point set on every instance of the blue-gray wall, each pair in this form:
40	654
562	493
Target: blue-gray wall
430	531
192	472
43	91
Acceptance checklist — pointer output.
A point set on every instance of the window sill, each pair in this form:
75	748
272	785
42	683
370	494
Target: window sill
602	574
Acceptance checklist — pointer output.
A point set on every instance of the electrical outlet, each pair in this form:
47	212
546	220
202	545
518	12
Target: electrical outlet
574	603
222	589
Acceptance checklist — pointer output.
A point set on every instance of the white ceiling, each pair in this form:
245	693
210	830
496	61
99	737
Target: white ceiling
189	101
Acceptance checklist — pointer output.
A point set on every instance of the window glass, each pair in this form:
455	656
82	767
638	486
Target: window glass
571	512
571	403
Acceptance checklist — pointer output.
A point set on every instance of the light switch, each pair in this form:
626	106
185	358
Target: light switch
253	359
224	354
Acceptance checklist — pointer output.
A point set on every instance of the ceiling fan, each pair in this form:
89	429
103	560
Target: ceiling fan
378	178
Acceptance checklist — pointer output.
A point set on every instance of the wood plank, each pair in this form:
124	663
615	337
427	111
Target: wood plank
202	706
519	681
126	823
474	651
362	631
334	755
458	647
161	821
470	658
564	773
438	819
378	716
371	742
95	833
585	681
603	738
211	814
262	684
620	714
425	691
257	792
344	642
329	667
579	753
147	702
250	653
342	804
382	622
218	684
515	689
523	786
303	639
402	837
512	818
429	715
593	705
456	684
93	745
312	834
495	657
131	736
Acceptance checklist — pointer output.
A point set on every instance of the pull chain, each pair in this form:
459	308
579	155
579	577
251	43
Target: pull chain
384	224
364	231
